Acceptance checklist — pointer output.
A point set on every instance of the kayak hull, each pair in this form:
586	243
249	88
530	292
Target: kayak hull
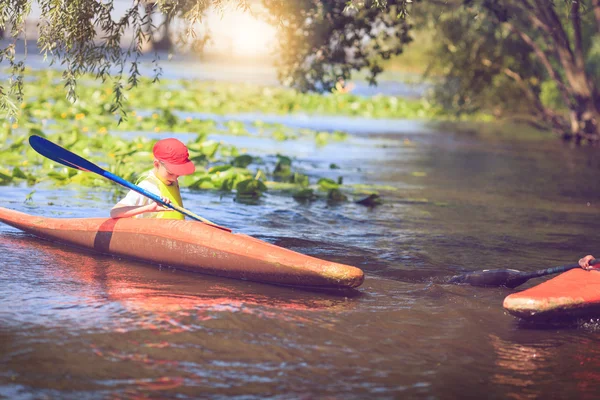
189	245
573	294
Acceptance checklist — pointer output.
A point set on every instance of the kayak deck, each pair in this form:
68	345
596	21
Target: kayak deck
575	293
189	245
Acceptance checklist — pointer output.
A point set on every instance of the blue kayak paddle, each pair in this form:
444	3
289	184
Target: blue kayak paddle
65	157
511	278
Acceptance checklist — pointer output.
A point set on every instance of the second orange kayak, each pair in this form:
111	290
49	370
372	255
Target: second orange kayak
575	293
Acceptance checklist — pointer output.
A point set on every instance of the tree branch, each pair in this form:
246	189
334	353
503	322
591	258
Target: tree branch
574	68
557	121
557	31
596	6
576	22
533	17
554	74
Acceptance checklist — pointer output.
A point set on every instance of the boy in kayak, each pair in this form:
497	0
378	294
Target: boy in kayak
171	160
585	262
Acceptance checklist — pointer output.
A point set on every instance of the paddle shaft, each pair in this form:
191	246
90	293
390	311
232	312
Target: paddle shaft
555	270
508	277
65	157
158	199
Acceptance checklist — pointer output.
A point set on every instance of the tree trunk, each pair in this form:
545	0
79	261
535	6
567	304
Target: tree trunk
584	109
164	43
585	121
596	6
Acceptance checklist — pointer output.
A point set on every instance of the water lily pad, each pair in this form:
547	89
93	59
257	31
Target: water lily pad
18	173
253	187
5	176
327	184
299	179
283	167
336	196
249	191
242	161
220	168
304	195
284	160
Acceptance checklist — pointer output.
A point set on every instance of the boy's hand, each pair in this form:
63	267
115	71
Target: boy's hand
157	207
585	262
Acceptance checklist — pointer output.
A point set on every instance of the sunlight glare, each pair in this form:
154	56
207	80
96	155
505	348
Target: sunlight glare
240	33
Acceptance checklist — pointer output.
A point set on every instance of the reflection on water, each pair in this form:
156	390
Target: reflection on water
520	366
75	281
81	325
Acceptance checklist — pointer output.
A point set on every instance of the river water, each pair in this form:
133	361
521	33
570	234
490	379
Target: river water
77	325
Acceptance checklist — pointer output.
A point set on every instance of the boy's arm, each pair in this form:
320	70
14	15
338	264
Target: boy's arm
125	211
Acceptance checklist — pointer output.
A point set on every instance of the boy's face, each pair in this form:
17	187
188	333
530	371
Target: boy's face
167	177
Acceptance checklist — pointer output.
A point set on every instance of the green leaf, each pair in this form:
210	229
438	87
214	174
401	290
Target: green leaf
282	170
36	131
283	166
228	183
336	196
327	184
29	197
299	179
219	168
242	161
304	195
5	176
284	160
57	176
18	173
251	187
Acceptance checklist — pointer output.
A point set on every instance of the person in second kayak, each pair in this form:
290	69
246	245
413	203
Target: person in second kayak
585	263
171	160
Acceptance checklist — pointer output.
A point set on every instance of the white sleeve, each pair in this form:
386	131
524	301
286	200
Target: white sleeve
135	199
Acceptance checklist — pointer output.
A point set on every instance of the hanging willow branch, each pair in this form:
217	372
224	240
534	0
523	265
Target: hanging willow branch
83	37
320	39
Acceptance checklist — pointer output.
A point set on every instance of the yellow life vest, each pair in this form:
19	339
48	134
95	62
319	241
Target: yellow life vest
169	192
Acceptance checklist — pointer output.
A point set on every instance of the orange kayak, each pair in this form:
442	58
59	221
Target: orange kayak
191	246
575	293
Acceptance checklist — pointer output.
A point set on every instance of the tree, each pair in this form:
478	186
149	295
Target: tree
164	43
541	55
83	36
321	39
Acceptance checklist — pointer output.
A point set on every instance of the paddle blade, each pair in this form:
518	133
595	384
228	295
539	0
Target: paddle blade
62	155
510	278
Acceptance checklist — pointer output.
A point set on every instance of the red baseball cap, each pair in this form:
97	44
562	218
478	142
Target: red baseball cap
174	155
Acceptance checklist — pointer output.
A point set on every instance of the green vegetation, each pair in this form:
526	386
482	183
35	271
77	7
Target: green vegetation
44	100
86	36
539	59
415	59
220	167
533	60
89	128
